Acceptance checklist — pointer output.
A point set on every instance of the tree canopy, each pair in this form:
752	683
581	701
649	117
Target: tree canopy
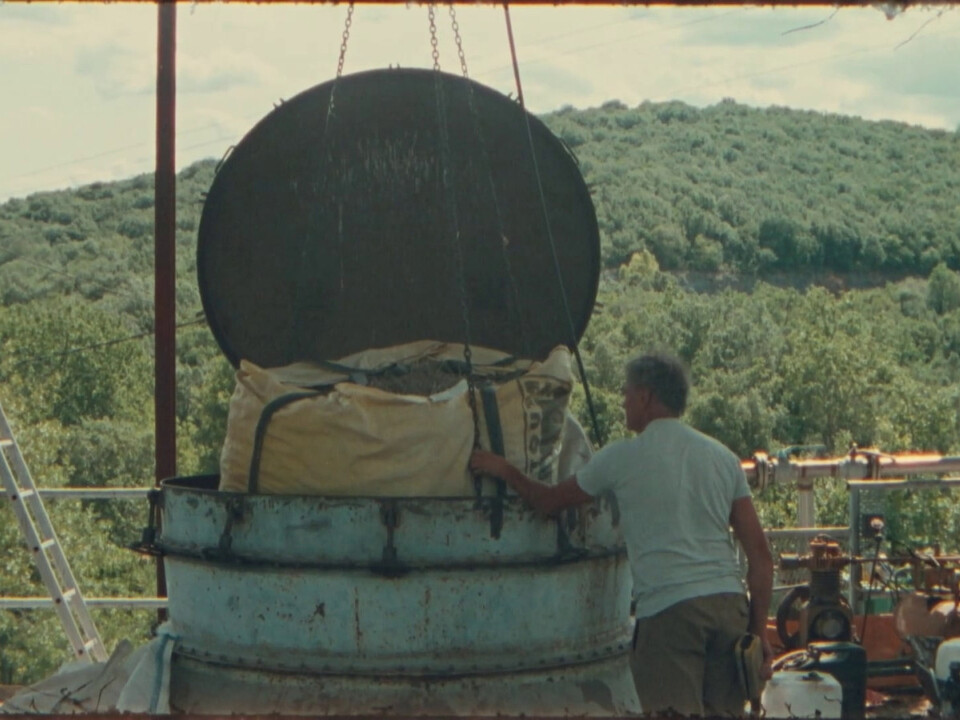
804	265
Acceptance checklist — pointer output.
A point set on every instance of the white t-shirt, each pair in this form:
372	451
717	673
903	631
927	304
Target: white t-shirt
675	487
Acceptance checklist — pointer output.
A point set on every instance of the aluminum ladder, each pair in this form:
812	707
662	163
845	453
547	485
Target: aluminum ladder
47	552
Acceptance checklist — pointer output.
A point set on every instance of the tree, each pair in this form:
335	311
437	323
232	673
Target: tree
943	290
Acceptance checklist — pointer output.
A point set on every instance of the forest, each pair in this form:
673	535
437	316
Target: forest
806	267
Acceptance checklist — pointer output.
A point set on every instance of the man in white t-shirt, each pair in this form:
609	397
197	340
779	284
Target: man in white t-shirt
680	492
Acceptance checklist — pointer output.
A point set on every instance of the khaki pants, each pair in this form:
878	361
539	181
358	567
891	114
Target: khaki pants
683	657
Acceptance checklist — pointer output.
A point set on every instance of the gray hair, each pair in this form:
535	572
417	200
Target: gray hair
665	375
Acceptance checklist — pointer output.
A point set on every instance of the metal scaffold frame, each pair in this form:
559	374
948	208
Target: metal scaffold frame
88	493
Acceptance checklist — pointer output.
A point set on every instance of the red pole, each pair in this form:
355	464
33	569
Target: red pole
165	256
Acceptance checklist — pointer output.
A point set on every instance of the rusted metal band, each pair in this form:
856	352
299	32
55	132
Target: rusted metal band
424	673
222	555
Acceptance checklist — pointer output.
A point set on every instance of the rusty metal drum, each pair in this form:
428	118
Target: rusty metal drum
324	605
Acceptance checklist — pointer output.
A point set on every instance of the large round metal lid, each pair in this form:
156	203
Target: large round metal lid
406	207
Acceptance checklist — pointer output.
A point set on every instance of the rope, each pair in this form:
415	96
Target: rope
553	247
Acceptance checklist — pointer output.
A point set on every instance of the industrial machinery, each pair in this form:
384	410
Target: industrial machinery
376	209
824	614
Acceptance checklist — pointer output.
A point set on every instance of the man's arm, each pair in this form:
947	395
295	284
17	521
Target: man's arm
747	529
547	499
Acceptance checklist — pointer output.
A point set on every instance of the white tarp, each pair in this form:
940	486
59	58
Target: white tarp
135	681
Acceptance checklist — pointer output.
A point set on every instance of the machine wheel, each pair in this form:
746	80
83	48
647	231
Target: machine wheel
788	616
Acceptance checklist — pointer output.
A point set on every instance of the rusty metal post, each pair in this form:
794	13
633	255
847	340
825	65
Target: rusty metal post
165	256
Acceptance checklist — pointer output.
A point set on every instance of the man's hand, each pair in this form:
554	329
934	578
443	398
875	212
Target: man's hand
548	499
483	462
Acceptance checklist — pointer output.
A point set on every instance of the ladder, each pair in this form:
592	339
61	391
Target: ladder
47	552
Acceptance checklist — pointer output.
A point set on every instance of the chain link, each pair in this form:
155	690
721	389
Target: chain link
456	34
343	56
435	52
445	160
343	42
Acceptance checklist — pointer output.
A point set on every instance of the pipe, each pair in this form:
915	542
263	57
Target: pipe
165	257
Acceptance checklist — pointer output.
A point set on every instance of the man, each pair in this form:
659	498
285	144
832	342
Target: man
679	493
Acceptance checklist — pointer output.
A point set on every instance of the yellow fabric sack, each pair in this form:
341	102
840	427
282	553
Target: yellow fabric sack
358	440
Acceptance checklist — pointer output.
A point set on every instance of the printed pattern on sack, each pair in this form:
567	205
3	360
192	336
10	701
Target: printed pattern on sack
544	404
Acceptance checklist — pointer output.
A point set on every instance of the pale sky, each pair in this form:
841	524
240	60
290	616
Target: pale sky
77	80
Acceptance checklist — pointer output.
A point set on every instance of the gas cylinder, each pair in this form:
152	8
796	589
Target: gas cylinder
802	694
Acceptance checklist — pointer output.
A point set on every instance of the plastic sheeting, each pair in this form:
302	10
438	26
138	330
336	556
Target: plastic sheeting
136	681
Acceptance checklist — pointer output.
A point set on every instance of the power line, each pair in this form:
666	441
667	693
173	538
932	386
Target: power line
126	148
105	153
490	71
917	31
812	25
779	69
607	42
96	346
183	133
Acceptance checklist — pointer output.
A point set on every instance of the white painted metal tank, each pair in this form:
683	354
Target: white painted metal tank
411	606
417	205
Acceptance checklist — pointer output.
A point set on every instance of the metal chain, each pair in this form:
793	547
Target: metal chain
504	241
343	55
464	306
435	52
456	34
460	270
346	37
451	202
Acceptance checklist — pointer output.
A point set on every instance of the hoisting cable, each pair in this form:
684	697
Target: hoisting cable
451	205
513	54
491	414
343	55
502	238
553	248
309	199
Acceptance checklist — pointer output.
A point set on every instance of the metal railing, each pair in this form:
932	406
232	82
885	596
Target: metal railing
89	493
860	471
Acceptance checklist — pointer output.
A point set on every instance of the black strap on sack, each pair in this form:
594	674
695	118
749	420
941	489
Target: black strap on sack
266	415
491	414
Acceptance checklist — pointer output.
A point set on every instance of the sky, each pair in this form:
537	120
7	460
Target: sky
77	80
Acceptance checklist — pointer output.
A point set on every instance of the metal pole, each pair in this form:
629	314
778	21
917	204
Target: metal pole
165	256
46	603
853	590
806	507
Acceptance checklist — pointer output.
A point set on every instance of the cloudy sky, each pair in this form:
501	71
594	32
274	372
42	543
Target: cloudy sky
76	89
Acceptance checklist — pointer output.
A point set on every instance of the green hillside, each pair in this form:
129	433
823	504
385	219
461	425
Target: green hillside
746	190
778	213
